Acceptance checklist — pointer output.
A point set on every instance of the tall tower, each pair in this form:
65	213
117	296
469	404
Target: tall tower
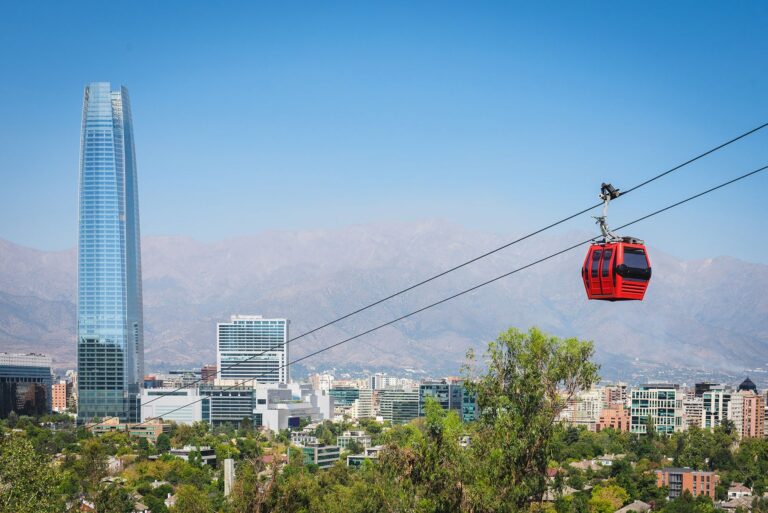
250	348
110	330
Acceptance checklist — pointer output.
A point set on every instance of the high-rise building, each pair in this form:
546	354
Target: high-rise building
110	331
746	410
694	411
399	406
59	396
25	384
250	348
660	402
715	406
451	395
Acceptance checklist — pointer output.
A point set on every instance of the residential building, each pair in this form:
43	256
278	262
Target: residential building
706	386
616	418
321	381
693	408
583	409
663	403
207	454
149	430
738	490
680	480
399	406
59	396
180	405
614	395
250	348
746	410
208	373
324	456
26	384
370	453
361	437
363	408
110	327
715	406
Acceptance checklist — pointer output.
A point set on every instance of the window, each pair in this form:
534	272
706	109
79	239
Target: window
635	258
595	262
607	262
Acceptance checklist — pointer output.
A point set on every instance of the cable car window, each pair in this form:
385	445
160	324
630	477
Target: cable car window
635	258
595	262
607	262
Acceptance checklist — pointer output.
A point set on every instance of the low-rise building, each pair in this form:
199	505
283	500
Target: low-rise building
614	418
207	454
680	480
149	430
370	453
324	456
360	437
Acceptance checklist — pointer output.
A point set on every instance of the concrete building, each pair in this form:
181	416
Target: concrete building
584	409
183	406
208	373
207	454
250	348
715	406
347	437
283	406
228	404
148	430
661	402
616	418
746	410
614	395
370	453
59	396
25	384
229	476
362	408
693	408
324	456
680	480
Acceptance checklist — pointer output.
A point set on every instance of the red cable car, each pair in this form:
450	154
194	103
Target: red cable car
616	268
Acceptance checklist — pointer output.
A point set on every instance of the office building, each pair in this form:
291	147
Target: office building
361	437
681	480
663	403
286	406
25	384
110	331
344	396
227	405
59	396
706	386
450	395
363	408
324	456
183	406
399	406
250	348
715	406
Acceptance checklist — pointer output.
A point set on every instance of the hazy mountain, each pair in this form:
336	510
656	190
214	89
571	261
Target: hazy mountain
711	313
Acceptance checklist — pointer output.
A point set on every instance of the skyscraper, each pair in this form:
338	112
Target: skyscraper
110	331
253	349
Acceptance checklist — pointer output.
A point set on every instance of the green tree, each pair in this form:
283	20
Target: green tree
27	481
607	499
163	443
529	379
113	498
190	499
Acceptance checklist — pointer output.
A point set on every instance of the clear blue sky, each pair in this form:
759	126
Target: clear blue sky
287	115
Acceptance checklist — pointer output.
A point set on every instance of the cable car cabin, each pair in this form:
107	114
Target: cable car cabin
616	271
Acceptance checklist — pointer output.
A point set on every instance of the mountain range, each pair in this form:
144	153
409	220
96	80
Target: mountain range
710	313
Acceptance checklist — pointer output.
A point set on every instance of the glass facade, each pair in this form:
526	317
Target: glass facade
110	332
252	348
25	384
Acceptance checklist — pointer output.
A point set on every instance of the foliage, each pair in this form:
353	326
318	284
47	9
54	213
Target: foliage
190	499
607	499
26	478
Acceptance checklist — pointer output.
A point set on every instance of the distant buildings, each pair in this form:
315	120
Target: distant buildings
59	396
616	417
148	430
399	406
324	456
110	331
663	403
680	480
208	373
183	406
207	454
347	437
25	384
250	348
451	395
746	410
715	406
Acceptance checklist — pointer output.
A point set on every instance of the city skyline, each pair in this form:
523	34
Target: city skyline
110	327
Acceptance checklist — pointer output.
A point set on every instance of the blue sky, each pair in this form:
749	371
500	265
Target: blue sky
499	116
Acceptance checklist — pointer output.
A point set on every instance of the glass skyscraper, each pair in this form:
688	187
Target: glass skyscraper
110	331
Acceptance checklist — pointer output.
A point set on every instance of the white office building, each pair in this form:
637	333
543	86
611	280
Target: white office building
253	349
183	406
281	406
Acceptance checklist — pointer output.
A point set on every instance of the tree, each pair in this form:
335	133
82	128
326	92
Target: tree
530	378
190	499
607	499
163	443
114	498
27	481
